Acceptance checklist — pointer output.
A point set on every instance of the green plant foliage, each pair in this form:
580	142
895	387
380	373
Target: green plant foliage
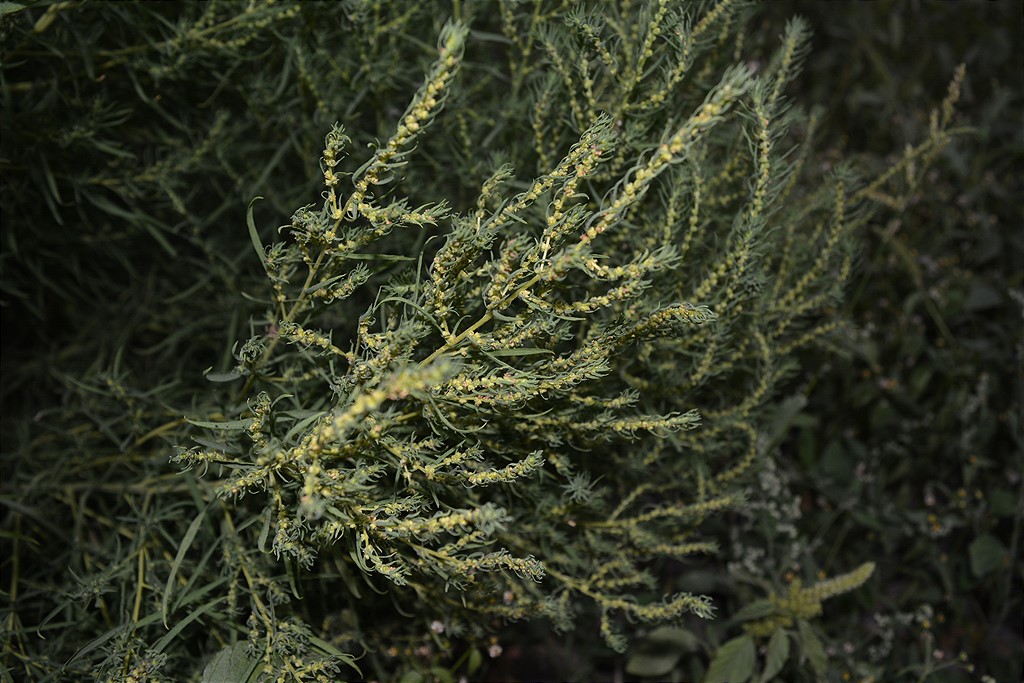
515	360
907	448
135	133
773	619
658	652
471	381
734	661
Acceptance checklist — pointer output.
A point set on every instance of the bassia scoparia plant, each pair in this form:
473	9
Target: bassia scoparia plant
520	351
565	378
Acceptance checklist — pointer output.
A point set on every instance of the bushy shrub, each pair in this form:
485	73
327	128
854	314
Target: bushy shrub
517	364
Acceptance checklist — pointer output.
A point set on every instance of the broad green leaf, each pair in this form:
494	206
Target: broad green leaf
442	675
812	649
982	297
783	418
867	520
411	676
759	609
10	7
836	463
475	660
231	664
658	652
1002	502
987	554
778	653
733	661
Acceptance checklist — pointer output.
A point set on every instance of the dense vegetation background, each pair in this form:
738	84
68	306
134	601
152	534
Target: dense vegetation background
128	160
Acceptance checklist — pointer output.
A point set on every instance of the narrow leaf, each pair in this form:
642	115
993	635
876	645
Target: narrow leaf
329	649
254	235
190	536
162	644
261	542
222	376
233	424
526	351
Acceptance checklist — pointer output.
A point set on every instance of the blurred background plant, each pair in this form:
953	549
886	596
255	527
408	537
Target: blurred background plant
134	137
906	446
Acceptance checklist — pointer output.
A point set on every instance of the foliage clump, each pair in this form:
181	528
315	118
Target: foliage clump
517	365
